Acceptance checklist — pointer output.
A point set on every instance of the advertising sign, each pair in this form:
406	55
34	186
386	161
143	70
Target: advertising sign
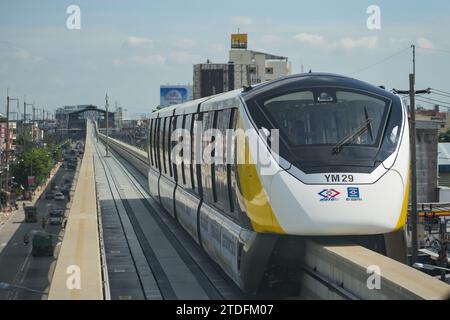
239	41
170	95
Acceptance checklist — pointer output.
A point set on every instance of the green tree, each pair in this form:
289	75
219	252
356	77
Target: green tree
36	162
24	138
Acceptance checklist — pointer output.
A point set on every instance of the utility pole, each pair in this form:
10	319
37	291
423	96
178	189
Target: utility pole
25	104
33	123
107	126
412	103
8	100
412	125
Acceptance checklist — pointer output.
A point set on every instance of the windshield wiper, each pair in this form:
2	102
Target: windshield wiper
366	126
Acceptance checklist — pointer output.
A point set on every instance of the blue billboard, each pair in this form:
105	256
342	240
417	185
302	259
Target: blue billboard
170	95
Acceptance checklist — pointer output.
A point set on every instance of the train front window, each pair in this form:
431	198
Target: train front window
325	116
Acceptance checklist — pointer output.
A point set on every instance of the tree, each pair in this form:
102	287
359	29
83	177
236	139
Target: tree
24	138
36	162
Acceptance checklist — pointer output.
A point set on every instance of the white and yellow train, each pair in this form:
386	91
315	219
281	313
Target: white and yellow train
340	169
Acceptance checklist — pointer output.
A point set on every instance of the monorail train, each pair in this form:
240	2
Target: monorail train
341	168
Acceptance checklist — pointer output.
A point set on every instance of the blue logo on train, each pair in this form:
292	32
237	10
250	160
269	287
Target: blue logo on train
353	194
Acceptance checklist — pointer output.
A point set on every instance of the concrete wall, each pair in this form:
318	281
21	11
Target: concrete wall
427	152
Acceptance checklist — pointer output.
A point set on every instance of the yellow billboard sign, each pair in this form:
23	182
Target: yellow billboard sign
239	41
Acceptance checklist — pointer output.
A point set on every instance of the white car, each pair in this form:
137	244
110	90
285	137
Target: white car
59	196
56	216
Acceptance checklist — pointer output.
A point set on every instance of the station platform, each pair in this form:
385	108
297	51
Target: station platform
78	273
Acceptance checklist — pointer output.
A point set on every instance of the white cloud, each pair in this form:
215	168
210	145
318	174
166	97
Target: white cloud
241	20
347	43
353	43
270	39
10	51
424	43
149	61
22	54
138	41
309	38
217	48
142	60
184	43
183	57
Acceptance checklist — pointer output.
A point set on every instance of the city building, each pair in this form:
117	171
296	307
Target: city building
440	118
244	68
4	137
174	94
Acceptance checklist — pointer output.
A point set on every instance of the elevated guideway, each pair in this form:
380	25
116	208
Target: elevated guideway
78	273
337	270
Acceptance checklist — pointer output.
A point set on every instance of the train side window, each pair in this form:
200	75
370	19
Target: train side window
162	144
213	154
207	169
175	124
169	127
188	171
233	175
229	156
221	169
150	144
157	150
180	125
197	163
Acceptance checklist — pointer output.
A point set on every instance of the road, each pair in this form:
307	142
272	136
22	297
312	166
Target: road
17	265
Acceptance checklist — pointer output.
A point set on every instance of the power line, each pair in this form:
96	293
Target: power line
441	91
441	94
381	61
437	50
433	103
435	100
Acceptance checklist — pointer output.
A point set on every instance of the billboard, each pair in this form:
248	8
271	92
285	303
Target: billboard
170	95
239	41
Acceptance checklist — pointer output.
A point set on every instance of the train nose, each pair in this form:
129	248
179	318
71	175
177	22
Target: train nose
303	209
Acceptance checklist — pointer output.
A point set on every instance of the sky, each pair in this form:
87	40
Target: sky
129	48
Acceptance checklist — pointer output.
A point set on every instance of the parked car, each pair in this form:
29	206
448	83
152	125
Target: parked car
66	189
49	195
56	216
59	196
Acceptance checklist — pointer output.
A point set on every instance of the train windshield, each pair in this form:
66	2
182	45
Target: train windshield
328	117
324	127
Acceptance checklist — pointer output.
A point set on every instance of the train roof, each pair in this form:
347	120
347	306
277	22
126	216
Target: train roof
193	105
315	79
